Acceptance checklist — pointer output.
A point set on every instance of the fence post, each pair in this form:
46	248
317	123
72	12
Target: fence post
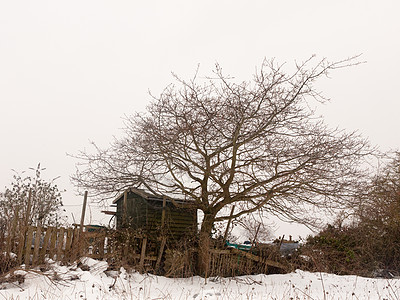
142	254
83	210
163	242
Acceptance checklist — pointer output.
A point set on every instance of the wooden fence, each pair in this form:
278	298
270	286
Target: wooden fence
33	245
233	262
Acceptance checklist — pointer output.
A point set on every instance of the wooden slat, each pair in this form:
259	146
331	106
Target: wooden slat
108	212
36	248
160	253
46	241
68	245
259	259
101	241
28	245
181	221
76	242
21	244
60	243
180	215
152	215
53	242
12	233
220	251
143	253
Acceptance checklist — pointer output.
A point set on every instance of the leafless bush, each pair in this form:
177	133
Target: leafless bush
354	250
7	262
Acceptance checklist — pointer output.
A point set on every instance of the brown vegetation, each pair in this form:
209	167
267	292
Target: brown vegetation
370	246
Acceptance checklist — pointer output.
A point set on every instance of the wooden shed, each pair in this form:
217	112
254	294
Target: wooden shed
153	214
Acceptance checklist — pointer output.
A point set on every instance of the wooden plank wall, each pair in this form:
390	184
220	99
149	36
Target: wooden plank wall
153	219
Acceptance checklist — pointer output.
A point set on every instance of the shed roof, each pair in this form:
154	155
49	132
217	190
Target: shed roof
149	196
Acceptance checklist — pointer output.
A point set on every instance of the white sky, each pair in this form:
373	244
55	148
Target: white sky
70	70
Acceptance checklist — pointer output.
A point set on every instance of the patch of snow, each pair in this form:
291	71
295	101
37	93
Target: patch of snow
10	254
96	267
95	282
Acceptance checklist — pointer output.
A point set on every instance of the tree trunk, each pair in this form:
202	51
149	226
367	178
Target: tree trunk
203	262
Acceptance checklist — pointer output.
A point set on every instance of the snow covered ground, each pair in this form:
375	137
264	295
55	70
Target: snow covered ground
92	281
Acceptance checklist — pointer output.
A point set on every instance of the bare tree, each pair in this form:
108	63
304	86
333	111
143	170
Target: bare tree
254	228
256	145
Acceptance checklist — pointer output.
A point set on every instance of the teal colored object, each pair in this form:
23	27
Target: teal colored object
239	246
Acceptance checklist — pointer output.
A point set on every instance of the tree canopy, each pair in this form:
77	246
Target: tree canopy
216	142
256	144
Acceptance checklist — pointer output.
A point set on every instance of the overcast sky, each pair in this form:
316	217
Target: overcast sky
70	70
